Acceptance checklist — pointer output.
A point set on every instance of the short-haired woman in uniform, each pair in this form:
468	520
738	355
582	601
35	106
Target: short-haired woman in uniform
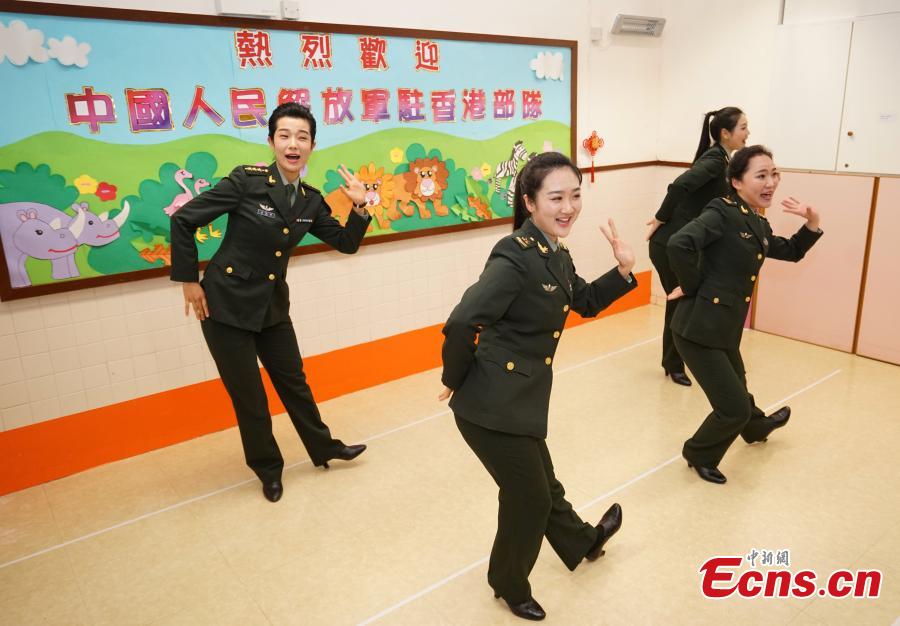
242	302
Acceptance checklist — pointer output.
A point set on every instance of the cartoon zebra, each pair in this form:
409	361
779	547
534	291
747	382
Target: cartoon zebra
510	167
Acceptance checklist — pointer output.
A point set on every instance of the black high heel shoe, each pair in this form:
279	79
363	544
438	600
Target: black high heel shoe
709	474
347	453
679	378
529	609
273	490
776	420
608	526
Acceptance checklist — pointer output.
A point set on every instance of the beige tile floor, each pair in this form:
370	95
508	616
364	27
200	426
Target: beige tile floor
183	535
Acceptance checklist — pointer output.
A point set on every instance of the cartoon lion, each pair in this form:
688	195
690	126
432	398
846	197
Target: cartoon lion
379	197
425	180
379	194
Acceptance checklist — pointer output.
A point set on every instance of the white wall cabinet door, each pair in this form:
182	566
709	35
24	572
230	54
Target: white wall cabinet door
870	131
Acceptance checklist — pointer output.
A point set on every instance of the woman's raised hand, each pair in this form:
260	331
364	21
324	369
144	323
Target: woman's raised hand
353	186
796	207
621	250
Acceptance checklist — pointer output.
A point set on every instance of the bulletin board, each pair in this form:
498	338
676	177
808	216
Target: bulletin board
113	119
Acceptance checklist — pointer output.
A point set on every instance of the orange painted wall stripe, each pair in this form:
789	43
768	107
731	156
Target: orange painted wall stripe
48	450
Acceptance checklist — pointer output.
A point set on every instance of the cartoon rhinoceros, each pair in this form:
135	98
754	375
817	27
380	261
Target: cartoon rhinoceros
32	229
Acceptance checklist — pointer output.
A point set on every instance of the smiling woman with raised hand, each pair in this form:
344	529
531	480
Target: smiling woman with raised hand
501	387
242	302
716	259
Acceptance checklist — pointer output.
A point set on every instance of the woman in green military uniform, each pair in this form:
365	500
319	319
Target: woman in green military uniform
727	130
242	302
717	258
501	387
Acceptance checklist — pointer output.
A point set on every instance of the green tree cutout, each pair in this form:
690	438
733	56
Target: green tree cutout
36	184
333	181
148	223
148	217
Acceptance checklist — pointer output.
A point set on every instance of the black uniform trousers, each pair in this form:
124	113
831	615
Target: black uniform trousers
671	360
532	506
235	351
721	375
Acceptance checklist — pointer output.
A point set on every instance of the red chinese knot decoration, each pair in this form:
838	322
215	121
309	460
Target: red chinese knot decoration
592	144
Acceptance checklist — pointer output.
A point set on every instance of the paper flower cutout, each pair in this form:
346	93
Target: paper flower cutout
85	184
106	192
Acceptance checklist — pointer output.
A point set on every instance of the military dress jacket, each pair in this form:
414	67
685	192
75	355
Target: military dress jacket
717	258
688	194
244	281
517	309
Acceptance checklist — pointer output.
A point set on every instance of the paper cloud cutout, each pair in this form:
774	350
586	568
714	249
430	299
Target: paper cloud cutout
21	44
68	51
18	43
548	65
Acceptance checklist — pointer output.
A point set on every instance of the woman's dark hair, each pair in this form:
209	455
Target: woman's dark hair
714	123
740	161
292	109
531	178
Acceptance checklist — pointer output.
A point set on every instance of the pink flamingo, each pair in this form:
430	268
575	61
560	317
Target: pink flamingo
181	199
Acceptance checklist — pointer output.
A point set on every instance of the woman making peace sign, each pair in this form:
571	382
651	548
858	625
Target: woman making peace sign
501	388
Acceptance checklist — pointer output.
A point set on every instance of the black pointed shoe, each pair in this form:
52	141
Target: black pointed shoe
776	420
529	609
608	526
709	474
679	378
347	453
273	490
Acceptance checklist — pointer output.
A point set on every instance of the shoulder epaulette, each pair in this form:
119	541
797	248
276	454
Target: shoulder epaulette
256	170
732	202
525	242
310	187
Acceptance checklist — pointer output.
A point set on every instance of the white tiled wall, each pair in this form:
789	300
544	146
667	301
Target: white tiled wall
70	352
